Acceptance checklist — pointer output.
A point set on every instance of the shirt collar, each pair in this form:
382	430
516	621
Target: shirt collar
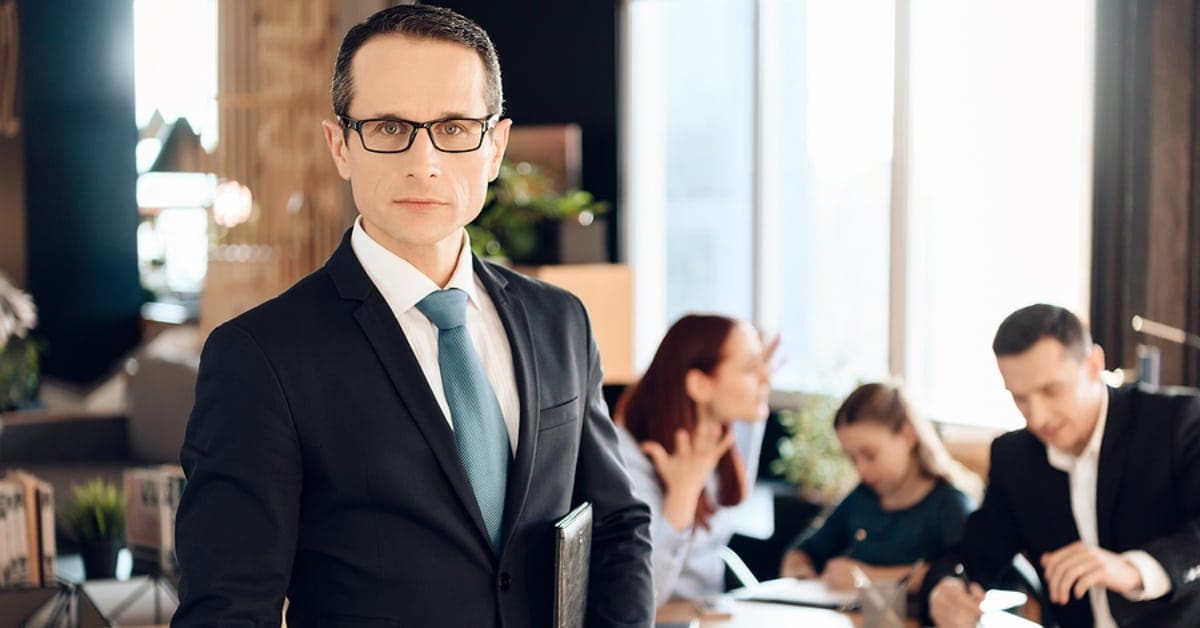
400	283
1065	461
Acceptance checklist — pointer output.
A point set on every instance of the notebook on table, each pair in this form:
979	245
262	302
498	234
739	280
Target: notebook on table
572	558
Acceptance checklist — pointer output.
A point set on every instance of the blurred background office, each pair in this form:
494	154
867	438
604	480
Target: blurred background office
880	181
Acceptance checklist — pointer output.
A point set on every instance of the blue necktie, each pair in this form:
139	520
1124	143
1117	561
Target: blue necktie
479	429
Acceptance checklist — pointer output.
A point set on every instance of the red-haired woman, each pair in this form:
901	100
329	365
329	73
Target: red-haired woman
676	429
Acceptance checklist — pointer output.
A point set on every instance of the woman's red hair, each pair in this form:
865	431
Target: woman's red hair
658	404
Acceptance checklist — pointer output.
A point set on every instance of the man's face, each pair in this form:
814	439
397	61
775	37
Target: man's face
1058	393
411	202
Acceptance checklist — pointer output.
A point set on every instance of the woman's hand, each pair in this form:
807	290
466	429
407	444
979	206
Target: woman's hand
796	564
770	348
842	573
685	472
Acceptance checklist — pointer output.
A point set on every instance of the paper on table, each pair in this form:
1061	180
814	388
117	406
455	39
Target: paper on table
1000	619
800	593
1002	600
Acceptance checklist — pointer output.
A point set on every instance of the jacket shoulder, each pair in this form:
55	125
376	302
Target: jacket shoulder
1017	447
294	310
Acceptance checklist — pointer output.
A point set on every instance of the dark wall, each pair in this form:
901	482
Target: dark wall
77	122
559	64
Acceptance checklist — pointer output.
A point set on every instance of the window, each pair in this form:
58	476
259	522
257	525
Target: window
693	84
788	212
827	128
999	202
175	79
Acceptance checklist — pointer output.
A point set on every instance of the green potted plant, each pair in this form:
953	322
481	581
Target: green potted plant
521	211
96	521
18	350
811	456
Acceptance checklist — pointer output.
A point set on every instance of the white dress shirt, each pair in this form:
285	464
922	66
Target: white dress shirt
403	286
687	563
1083	472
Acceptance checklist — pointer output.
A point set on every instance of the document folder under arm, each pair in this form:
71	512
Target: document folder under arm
571	563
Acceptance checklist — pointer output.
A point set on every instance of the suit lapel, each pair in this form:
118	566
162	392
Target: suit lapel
391	346
1113	457
520	339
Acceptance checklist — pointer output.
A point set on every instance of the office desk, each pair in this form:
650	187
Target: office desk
759	615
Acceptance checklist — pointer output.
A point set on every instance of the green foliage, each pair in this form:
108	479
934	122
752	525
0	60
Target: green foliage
18	373
98	513
811	456
520	198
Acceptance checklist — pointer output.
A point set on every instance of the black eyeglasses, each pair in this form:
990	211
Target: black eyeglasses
395	135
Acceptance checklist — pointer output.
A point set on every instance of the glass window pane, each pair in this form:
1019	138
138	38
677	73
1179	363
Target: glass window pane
827	150
708	100
999	205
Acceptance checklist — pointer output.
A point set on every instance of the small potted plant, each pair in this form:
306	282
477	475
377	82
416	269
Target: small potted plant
811	456
522	213
96	521
18	350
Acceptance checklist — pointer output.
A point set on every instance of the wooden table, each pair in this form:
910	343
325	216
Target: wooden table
760	615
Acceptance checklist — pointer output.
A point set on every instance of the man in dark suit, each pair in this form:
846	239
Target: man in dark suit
390	441
1101	491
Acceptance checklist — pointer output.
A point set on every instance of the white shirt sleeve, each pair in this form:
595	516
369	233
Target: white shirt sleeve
1155	581
669	547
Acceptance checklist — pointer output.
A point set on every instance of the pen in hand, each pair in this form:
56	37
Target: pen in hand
912	571
972	589
960	572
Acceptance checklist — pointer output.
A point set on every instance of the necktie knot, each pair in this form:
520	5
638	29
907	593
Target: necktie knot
446	309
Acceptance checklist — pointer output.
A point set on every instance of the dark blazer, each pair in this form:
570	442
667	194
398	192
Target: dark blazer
1148	498
320	467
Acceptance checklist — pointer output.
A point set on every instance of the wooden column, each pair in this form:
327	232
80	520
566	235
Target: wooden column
275	61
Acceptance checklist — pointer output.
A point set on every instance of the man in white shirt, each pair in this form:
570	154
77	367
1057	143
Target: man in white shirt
1101	491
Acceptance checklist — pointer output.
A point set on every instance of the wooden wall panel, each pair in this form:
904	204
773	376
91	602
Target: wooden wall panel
1146	255
1172	90
275	59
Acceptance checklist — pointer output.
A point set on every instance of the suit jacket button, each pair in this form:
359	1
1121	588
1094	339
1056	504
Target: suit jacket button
505	581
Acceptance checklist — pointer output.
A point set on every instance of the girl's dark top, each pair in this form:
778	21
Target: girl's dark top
861	529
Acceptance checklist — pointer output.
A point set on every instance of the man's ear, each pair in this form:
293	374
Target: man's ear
499	142
1095	362
335	137
698	385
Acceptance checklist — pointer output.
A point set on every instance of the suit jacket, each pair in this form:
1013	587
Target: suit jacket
1147	498
320	466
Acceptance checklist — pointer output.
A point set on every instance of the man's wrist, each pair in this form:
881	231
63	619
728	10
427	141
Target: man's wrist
1153	579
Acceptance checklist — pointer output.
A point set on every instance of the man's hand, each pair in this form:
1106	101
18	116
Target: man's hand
952	605
1072	570
796	564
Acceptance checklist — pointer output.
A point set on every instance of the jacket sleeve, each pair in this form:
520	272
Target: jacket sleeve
952	517
620	586
236	528
990	537
989	540
1179	552
670	546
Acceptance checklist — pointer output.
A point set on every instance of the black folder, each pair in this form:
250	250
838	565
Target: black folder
572	558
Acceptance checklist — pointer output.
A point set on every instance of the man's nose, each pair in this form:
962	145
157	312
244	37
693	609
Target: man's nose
1037	414
424	160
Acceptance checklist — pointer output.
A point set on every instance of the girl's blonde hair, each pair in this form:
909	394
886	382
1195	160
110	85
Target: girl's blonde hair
884	404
